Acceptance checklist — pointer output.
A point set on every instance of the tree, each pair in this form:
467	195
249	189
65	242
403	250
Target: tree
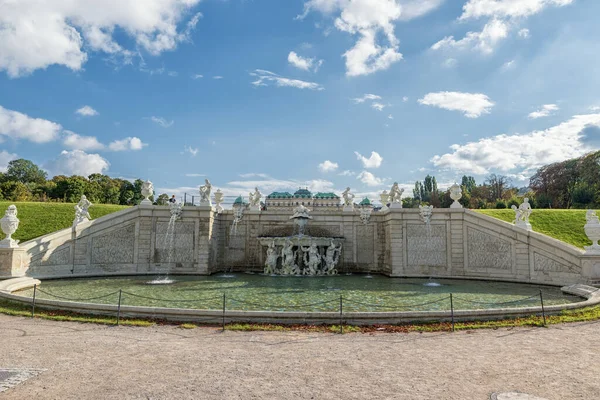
162	200
497	184
25	171
467	183
418	191
15	191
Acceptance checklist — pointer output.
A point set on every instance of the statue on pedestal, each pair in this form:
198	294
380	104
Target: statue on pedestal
219	200
254	198
205	193
272	257
395	196
147	191
522	214
332	257
455	194
312	259
348	200
9	224
81	211
288	257
384	197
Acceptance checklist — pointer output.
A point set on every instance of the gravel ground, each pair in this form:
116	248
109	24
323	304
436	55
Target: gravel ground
86	361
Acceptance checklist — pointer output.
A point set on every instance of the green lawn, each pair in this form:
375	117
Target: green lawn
565	225
38	219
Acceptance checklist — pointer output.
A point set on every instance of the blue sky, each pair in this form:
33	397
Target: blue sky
320	93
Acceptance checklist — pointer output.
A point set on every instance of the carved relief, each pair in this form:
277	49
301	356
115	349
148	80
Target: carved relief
545	264
487	251
60	256
182	242
365	244
426	245
114	247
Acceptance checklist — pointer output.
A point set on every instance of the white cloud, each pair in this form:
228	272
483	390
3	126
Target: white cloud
5	158
78	142
594	108
508	65
194	175
471	104
86	111
129	143
372	162
191	150
366	97
545	111
405	99
60	32
254	175
369	179
370	19
197	76
502	16
521	154
266	78
17	125
450	63
304	63
162	121
523	33
77	162
328	166
347	173
484	41
378	106
390	116
217	77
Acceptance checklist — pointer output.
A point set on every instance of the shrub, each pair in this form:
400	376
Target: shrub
500	204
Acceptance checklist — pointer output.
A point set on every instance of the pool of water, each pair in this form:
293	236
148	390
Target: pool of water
281	293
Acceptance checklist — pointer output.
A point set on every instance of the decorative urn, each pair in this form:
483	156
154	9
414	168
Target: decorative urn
147	191
592	230
455	194
219	200
9	224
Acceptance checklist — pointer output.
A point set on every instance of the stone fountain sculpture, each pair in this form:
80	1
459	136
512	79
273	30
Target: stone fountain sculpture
455	194
288	258
272	257
9	224
312	259
384	197
425	214
254	198
205	194
81	211
522	214
395	196
348	200
365	213
238	214
332	257
301	217
592	230
147	191
219	201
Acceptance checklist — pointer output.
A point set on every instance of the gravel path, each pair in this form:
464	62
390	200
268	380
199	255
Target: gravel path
86	361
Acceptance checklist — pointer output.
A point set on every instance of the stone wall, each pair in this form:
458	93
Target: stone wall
457	243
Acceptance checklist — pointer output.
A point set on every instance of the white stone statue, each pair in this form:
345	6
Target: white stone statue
9	224
272	257
455	194
522	214
205	193
365	214
147	191
219	200
395	196
592	230
348	200
312	259
254	198
288	258
425	213
384	197
332	257
81	211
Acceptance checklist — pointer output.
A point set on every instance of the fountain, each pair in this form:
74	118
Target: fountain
301	254
169	241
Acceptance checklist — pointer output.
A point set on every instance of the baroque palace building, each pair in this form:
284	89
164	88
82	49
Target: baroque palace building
287	201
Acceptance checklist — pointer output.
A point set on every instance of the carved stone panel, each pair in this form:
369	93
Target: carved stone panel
365	244
178	247
426	246
114	247
60	256
545	264
488	251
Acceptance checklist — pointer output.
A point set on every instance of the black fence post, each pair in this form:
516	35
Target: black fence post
341	315
543	310
119	307
223	322
452	311
33	302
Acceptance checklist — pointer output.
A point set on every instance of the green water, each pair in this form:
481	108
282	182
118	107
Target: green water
279	293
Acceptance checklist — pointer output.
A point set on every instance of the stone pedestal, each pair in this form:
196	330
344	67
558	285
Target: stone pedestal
9	243
78	221
13	262
348	208
145	202
456	204
395	205
254	208
523	225
206	204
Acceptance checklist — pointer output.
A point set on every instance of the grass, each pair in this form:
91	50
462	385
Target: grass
568	316
38	219
564	225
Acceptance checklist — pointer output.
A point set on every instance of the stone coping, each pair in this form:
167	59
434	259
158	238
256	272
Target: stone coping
591	294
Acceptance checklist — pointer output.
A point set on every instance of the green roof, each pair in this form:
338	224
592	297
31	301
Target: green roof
328	195
303	193
239	200
279	195
365	202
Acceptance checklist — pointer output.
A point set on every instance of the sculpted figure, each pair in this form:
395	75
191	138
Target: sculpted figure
81	210
312	259
205	192
348	197
425	213
332	257
525	209
272	257
255	198
395	195
288	257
